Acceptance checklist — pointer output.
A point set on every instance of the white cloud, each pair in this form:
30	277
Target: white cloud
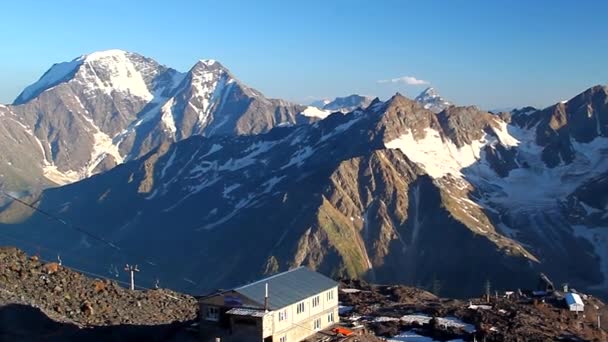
411	80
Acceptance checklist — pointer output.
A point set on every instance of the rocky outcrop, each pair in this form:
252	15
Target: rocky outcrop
70	297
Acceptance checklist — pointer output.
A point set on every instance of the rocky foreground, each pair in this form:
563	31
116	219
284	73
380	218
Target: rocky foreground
49	302
46	301
399	312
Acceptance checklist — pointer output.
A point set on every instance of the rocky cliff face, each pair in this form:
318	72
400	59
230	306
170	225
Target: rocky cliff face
100	110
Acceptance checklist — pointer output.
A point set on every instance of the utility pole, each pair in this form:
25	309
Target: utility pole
488	290
132	269
59	259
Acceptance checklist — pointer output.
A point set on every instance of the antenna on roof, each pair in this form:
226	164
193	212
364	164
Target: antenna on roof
266	298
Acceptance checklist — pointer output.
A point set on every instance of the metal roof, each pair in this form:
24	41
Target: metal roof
246	312
287	288
573	298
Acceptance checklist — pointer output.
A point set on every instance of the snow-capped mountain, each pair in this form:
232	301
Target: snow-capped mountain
85	116
432	101
348	103
320	103
391	193
322	108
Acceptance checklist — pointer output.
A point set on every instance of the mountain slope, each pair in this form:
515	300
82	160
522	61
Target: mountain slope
366	210
99	110
392	193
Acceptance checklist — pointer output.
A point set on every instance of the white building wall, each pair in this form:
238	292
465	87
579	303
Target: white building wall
302	323
577	307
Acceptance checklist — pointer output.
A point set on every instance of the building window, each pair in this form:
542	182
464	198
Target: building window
330	295
300	308
213	314
317	324
330	317
315	301
282	315
283	339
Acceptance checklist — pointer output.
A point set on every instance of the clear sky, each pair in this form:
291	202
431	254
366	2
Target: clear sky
490	53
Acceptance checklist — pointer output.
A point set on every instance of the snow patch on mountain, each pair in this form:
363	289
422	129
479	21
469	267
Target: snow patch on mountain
113	70
315	112
437	156
167	116
207	86
502	132
537	187
342	127
168	164
53	174
208	62
250	158
50	170
214	148
299	157
102	147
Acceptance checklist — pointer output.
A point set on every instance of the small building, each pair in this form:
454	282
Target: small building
285	307
574	302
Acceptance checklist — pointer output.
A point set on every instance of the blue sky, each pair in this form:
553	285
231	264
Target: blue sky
489	53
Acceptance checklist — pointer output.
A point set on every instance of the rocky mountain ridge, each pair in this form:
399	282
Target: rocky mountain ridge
391	193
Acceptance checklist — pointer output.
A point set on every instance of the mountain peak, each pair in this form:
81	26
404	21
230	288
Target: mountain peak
344	104
431	100
430	91
207	62
597	89
401	104
398	97
105	71
98	55
207	65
